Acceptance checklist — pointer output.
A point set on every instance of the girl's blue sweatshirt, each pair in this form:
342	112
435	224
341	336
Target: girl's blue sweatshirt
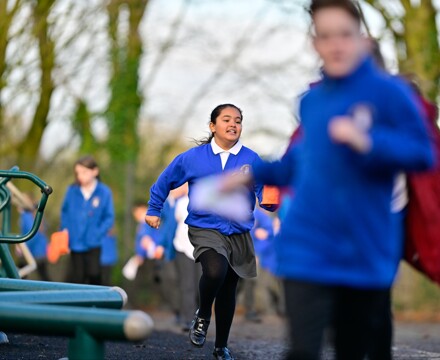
197	163
87	221
38	244
338	229
109	250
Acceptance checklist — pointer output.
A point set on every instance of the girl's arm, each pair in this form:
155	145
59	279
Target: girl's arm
65	211
401	144
280	172
172	177
108	215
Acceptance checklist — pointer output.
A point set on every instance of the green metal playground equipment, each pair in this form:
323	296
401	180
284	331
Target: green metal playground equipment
87	314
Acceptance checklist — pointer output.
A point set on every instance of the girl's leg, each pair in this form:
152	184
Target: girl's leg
77	268
42	269
187	282
309	310
363	324
214	270
225	308
93	266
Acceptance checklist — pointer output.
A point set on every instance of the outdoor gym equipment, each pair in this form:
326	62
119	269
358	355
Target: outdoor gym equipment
87	314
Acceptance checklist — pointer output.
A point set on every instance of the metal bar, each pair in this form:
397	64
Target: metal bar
8	263
5	197
35	285
101	324
46	190
15	174
109	299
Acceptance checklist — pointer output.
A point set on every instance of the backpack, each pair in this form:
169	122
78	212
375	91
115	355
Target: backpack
422	222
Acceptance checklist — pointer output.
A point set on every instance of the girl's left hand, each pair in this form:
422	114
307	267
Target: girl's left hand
153	221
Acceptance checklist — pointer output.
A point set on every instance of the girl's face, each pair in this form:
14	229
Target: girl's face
84	175
338	41
227	129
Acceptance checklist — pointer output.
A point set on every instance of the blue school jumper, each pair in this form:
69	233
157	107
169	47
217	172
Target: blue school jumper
264	248
109	250
339	228
87	221
38	244
167	230
142	230
193	165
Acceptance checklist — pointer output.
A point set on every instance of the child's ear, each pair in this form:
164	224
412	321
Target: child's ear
212	127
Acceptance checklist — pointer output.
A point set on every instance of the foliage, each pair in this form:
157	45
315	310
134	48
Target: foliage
43	64
413	27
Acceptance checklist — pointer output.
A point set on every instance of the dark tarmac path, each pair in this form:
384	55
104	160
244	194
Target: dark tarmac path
248	340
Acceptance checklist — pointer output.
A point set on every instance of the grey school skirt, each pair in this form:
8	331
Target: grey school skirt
238	249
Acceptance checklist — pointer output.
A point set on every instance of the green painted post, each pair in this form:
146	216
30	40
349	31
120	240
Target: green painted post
85	346
8	263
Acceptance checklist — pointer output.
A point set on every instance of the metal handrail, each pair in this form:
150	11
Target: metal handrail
46	190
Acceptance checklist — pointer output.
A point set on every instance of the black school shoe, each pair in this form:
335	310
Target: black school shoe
222	353
198	330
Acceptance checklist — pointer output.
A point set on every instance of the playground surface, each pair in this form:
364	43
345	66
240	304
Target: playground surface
249	340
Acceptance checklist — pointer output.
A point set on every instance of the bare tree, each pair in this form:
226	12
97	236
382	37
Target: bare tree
413	27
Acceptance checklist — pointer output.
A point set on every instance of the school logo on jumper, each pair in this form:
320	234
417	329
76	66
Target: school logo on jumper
95	202
245	169
362	115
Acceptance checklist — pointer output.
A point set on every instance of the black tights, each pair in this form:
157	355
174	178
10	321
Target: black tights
85	267
219	282
361	321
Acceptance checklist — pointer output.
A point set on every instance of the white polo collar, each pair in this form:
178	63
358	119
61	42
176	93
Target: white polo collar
233	150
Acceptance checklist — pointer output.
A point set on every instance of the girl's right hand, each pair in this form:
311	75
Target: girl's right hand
153	221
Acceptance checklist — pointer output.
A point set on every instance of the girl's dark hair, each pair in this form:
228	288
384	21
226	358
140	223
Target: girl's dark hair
89	162
376	53
349	6
213	119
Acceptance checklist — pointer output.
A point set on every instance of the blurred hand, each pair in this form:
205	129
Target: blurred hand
158	254
147	243
261	234
343	130
153	221
139	260
231	181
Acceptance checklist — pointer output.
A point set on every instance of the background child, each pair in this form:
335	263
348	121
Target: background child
88	216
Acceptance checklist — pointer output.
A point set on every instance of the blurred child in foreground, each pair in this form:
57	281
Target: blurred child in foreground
336	250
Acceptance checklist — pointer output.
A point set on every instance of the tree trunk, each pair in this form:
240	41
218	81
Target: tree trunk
416	41
28	150
422	49
123	111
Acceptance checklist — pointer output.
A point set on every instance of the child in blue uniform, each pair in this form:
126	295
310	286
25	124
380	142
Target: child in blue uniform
336	251
223	247
38	244
109	258
88	216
